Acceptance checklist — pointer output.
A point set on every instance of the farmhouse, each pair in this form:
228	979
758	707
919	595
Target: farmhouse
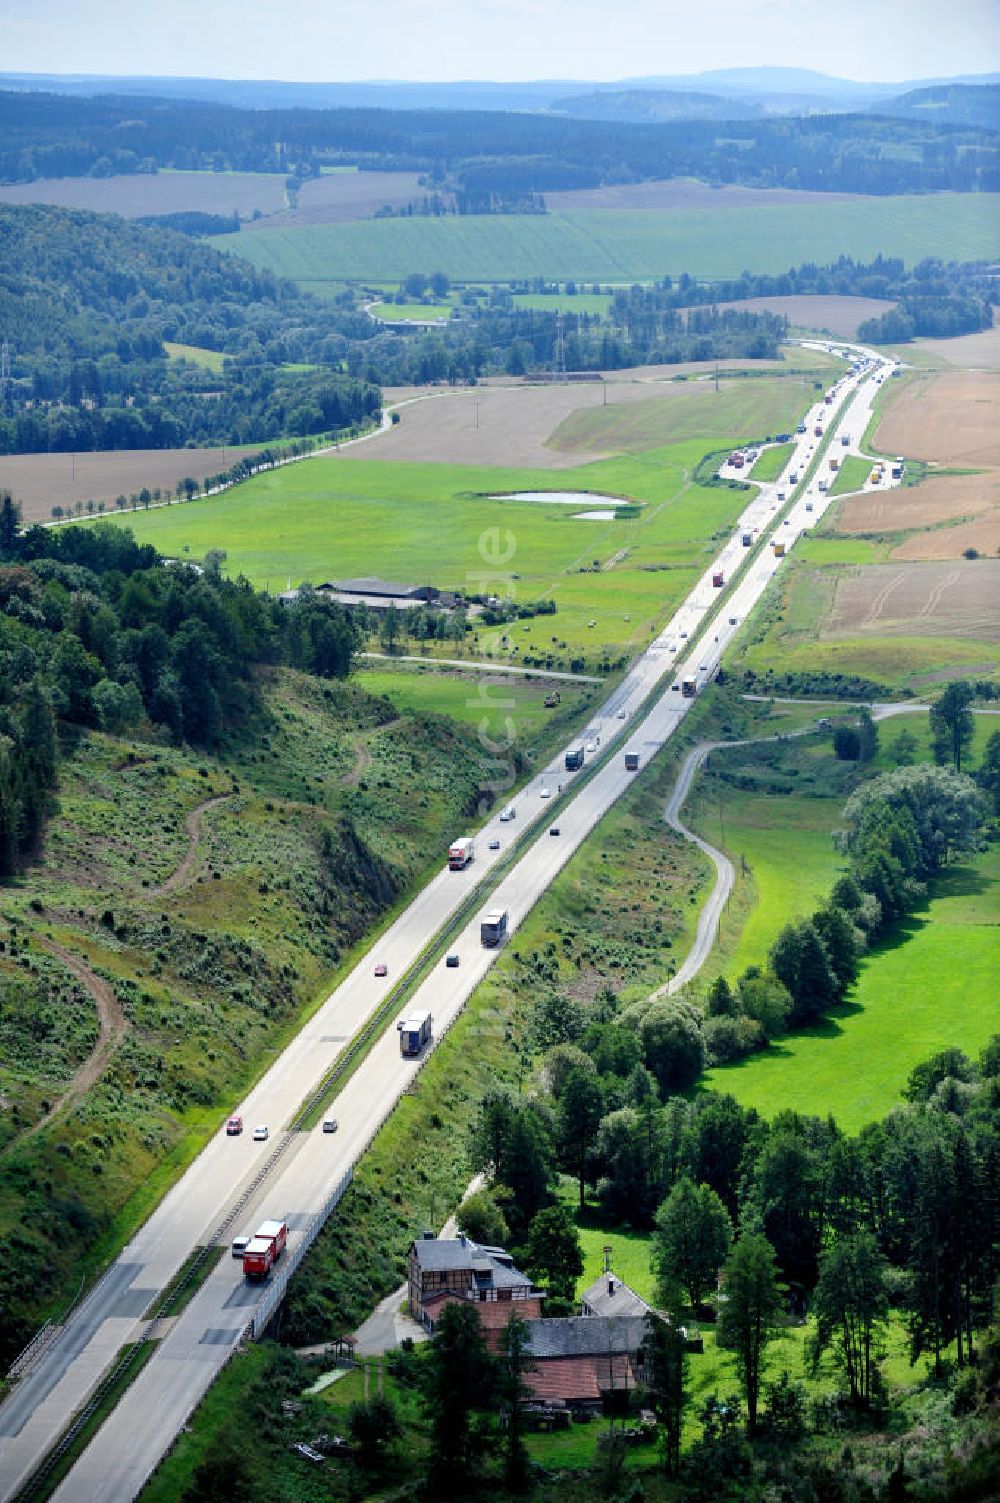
443	1269
577	1362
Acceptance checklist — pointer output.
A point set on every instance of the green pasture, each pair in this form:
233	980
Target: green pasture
470	697
212	360
851	476
782	848
328	518
565	302
771	463
818	549
930	986
741	410
602	245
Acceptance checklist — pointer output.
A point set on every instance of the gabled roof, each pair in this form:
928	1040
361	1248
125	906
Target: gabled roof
585	1335
608	1295
490	1266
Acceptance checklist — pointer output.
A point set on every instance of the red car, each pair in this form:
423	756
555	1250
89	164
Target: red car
381	969
234	1127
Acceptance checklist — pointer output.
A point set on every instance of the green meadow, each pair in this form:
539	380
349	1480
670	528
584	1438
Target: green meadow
612	580
930	986
611	246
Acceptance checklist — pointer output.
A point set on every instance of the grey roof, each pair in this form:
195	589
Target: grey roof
607	1295
453	1254
585	1335
373	586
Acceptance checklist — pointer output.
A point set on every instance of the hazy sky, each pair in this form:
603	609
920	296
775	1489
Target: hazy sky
328	40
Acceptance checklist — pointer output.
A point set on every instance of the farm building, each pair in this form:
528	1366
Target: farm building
379	594
581	1361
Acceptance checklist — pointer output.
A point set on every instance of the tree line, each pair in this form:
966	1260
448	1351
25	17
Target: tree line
56	135
98	631
87	331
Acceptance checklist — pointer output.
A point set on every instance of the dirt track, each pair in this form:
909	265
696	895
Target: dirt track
957	599
112	1024
185	871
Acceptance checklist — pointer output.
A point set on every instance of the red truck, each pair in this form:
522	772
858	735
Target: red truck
718	580
264	1249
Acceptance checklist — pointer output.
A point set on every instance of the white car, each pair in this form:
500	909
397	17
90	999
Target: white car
622	714
507	815
546	793
590	747
260	1134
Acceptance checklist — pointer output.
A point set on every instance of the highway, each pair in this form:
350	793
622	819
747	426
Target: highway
308	1164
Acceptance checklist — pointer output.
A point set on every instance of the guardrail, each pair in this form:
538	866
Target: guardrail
276	1290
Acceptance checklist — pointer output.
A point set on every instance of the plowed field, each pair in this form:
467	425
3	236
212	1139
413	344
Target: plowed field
912	599
951	417
41	481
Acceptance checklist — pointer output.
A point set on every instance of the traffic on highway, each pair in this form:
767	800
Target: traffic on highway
270	1171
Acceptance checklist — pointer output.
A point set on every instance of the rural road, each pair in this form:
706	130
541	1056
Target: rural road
639	716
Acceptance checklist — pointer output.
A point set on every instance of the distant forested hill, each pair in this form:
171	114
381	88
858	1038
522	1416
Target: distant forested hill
86	304
480	152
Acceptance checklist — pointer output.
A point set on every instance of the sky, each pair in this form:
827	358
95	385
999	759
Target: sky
510	40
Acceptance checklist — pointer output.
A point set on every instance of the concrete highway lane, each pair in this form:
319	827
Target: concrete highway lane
141	1428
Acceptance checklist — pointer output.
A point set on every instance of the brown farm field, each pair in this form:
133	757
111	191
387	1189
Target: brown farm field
41	481
908	600
338	197
947	417
941	498
156	193
836	315
682	193
967	351
556	427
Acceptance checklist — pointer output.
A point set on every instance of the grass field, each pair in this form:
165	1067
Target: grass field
325	519
630	245
564	302
771	462
851	476
929	987
212	360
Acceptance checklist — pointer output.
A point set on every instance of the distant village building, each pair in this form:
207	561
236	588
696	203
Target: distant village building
610	1296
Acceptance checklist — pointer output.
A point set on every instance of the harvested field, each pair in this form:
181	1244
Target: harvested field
156	193
951	417
968	351
834	315
41	481
558	427
338	197
942	498
983	534
682	193
916	600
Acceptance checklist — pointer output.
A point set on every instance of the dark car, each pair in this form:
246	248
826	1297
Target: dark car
451	962
553	829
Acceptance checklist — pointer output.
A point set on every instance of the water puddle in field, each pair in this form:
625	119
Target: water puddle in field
571	498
